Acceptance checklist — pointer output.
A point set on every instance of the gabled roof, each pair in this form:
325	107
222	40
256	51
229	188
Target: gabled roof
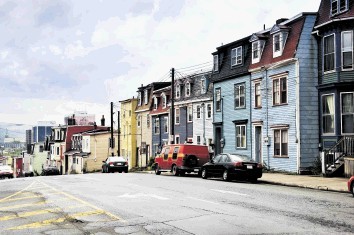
294	27
324	13
276	28
158	93
151	87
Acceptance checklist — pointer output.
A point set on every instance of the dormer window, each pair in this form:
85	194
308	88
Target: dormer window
178	91
258	41
139	98
188	89
255	52
155	102
202	86
236	56
279	40
146	96
338	6
216	63
164	101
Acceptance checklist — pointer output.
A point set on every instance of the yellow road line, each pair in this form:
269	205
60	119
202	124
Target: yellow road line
88	204
21	205
58	220
12	195
21	198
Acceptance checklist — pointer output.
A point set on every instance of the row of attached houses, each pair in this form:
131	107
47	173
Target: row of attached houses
283	95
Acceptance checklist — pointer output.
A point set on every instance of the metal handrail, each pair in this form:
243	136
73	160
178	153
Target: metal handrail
345	146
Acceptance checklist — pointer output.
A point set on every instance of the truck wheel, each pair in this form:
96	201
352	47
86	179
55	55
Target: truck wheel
175	170
157	170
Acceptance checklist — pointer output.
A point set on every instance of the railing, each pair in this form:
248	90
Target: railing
344	147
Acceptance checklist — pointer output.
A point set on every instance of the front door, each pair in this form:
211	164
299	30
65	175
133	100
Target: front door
217	141
66	164
258	143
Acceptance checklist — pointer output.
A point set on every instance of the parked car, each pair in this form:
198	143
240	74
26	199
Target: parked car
50	170
351	185
232	166
115	163
6	171
181	158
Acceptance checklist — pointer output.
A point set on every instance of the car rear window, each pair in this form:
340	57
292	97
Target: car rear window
238	158
116	159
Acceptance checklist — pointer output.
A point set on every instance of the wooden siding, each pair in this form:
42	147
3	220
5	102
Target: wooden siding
158	139
230	114
329	78
144	134
308	95
347	76
199	127
184	129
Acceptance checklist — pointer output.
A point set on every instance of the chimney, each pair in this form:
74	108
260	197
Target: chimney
103	121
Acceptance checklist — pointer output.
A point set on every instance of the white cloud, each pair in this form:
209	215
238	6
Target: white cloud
55	49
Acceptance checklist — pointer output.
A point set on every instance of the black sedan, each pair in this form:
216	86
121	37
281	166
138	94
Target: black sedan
232	166
115	163
50	170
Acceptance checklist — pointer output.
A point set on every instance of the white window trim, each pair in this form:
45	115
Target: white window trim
244	95
282	42
166	124
164	100
179	116
334	115
190	111
139	120
281	130
216	63
256	60
157	121
155	103
178	91
338	7
348	31
139	99
200	111
216	109
287	90
240	126
341	113
187	88
146	94
211	111
255	94
202	86
177	136
235	50
323	62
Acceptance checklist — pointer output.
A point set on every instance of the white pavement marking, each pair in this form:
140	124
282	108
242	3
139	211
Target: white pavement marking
202	200
143	195
229	192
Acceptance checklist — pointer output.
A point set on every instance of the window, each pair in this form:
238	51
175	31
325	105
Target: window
202	86
177	139
347	101
239	96
198	139
177	116
281	143
236	56
155	102
57	150
328	53
338	6
178	91
188	89
198	111
165	124
347	50
209	112
279	91
276	42
165	153
156	125
139	120
328	114
218	99
146	96
255	52
240	136
175	153
257	95
190	113
139	98
164	101
215	63
279	43
148	120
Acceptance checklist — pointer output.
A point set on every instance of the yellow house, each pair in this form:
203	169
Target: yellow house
128	133
95	147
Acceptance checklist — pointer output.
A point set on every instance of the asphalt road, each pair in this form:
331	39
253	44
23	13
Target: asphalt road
137	203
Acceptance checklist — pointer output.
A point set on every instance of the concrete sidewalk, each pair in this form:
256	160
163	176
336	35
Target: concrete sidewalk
303	181
306	181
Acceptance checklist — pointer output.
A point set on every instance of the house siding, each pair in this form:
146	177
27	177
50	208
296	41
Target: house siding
161	138
182	129
203	125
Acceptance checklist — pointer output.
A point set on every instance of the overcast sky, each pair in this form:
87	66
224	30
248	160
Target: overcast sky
59	56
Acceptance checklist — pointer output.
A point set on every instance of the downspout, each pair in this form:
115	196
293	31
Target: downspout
250	121
267	131
297	115
204	140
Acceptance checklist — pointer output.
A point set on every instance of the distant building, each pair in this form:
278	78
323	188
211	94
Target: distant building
28	137
80	118
43	129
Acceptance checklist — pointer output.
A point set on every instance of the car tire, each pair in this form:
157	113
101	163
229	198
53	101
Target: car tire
175	170
225	176
157	170
253	179
125	171
204	173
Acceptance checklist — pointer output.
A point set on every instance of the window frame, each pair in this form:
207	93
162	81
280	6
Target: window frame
333	115
328	54
240	139
238	96
146	96
165	124
218	107
236	56
346	51
348	113
209	111
281	130
177	117
255	51
257	95
138	120
157	125
187	89
189	113
216	63
199	111
139	99
155	103
339	8
279	79
202	86
164	100
178	91
199	140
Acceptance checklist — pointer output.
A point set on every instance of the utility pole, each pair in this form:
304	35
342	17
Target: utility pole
173	106
111	143
118	133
